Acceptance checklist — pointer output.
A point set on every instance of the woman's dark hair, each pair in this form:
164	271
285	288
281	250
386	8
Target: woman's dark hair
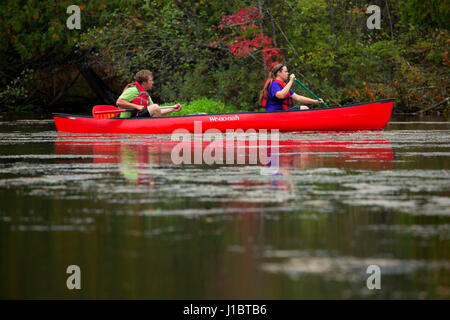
272	75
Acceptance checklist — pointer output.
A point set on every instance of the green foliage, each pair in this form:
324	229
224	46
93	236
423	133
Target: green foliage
344	61
428	13
15	92
204	105
34	35
326	41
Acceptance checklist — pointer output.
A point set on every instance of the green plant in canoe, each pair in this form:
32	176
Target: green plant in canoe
203	105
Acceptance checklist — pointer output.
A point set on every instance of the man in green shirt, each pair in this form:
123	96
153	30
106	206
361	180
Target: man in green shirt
136	98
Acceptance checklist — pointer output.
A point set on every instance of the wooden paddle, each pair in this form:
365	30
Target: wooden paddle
106	111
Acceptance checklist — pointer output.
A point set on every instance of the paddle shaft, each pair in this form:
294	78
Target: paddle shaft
304	87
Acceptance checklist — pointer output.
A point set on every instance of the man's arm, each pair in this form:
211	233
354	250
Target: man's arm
176	107
128	105
126	98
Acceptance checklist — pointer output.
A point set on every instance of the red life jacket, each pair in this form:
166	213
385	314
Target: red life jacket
286	103
144	97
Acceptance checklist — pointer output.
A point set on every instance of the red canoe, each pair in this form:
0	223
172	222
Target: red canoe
362	116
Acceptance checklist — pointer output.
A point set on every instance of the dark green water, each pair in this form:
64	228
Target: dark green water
141	227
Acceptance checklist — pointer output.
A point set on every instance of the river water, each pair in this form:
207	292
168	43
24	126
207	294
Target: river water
140	226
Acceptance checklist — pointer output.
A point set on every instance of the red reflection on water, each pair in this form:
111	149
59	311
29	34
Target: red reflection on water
368	154
134	154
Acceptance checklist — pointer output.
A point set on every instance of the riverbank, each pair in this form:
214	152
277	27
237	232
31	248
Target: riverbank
225	51
203	105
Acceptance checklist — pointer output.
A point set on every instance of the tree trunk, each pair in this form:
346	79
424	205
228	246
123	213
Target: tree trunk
103	92
62	92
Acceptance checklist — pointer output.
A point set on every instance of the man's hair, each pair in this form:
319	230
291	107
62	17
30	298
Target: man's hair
143	75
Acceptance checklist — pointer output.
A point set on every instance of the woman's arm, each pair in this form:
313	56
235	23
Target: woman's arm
283	93
302	99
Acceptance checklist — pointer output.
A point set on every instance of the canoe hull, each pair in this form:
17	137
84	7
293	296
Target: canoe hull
364	116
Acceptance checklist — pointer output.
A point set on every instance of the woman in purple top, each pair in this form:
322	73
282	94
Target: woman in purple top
277	94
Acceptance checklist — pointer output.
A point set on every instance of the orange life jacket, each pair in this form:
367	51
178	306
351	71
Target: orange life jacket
286	103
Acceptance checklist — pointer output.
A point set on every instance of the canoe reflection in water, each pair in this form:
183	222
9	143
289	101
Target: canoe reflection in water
296	151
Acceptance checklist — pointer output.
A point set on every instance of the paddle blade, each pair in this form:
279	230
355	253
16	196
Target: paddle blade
105	111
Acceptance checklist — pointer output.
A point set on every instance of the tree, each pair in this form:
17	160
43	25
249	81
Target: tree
35	38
